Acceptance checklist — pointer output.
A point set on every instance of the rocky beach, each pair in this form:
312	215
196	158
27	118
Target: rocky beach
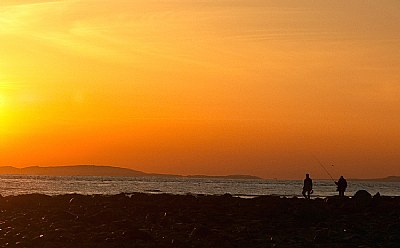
164	220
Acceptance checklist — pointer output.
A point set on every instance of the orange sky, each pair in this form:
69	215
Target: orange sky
202	87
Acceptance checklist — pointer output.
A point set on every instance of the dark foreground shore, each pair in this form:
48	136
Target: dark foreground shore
142	220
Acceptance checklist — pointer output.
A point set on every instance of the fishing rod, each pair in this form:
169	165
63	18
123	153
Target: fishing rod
323	167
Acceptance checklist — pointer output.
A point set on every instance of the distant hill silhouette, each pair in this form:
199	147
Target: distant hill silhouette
386	179
75	170
226	177
96	170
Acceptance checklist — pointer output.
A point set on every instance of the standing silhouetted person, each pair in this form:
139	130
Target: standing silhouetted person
307	188
341	185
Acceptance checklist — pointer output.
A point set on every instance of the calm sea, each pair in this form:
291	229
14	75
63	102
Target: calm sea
55	185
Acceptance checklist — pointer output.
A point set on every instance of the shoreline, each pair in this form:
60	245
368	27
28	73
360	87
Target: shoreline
166	220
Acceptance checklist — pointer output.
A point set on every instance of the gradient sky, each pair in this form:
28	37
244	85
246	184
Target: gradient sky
202	87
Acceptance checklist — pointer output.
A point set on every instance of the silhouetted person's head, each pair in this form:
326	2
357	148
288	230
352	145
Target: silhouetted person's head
341	177
307	175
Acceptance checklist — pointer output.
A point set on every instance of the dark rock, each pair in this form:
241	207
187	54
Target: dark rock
377	195
362	194
362	198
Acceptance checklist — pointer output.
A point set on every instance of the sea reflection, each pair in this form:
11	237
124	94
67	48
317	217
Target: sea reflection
55	185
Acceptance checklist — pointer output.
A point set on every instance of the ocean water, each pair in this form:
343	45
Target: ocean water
88	185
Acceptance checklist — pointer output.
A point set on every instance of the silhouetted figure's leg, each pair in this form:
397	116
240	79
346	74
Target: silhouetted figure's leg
306	194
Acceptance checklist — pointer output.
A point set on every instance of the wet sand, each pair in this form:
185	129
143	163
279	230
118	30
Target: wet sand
145	220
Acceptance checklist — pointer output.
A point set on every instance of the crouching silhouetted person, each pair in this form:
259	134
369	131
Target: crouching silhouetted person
307	188
341	185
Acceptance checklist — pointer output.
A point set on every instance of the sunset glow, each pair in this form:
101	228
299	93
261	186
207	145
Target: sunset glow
202	87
